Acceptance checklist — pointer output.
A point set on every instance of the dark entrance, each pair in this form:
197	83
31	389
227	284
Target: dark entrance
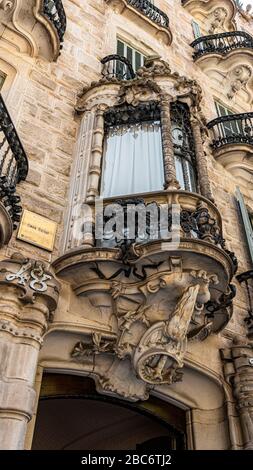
72	416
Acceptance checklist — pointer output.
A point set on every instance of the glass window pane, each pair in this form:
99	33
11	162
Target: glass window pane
120	48
130	54
133	160
137	60
179	172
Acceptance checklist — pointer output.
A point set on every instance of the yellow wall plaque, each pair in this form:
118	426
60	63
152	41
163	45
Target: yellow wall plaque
37	230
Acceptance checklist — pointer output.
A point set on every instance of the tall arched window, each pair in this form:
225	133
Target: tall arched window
184	148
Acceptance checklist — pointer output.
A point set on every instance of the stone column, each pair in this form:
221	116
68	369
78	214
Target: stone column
96	155
203	177
168	150
28	296
238	369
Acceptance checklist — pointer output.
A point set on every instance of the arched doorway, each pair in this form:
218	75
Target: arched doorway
72	416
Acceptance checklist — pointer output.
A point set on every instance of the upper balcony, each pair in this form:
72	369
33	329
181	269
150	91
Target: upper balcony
13	169
117	68
222	44
34	27
233	143
146	14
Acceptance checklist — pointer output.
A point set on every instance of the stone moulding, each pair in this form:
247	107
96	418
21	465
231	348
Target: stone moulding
158	21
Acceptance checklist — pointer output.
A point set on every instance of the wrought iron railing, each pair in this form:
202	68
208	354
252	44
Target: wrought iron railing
13	164
232	129
54	10
222	43
117	67
151	11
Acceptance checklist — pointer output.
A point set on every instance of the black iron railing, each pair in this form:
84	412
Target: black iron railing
13	164
117	67
151	11
232	129
54	10
222	43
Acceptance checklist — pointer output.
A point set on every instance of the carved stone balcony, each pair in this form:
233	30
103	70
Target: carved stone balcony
227	58
213	16
13	169
144	10
33	27
149	296
116	67
222	44
233	143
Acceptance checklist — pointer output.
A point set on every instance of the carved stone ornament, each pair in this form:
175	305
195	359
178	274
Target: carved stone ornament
95	346
144	86
134	92
238	371
31	278
238	78
218	17
6	5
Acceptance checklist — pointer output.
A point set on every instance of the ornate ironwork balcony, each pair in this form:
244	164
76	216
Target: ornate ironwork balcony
151	11
13	164
54	11
222	43
116	67
232	129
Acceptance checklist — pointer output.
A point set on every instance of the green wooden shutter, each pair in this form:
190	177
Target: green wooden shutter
246	221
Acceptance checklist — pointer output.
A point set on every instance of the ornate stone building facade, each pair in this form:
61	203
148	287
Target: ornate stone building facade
142	104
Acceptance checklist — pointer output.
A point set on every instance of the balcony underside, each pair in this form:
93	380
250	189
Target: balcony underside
132	13
232	73
237	159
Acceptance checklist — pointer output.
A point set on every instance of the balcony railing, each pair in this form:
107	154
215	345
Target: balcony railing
222	43
151	11
117	67
232	129
13	164
54	11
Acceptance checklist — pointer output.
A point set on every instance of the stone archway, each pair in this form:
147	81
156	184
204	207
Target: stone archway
73	416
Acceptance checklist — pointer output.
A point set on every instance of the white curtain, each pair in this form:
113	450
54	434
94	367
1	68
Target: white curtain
133	160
